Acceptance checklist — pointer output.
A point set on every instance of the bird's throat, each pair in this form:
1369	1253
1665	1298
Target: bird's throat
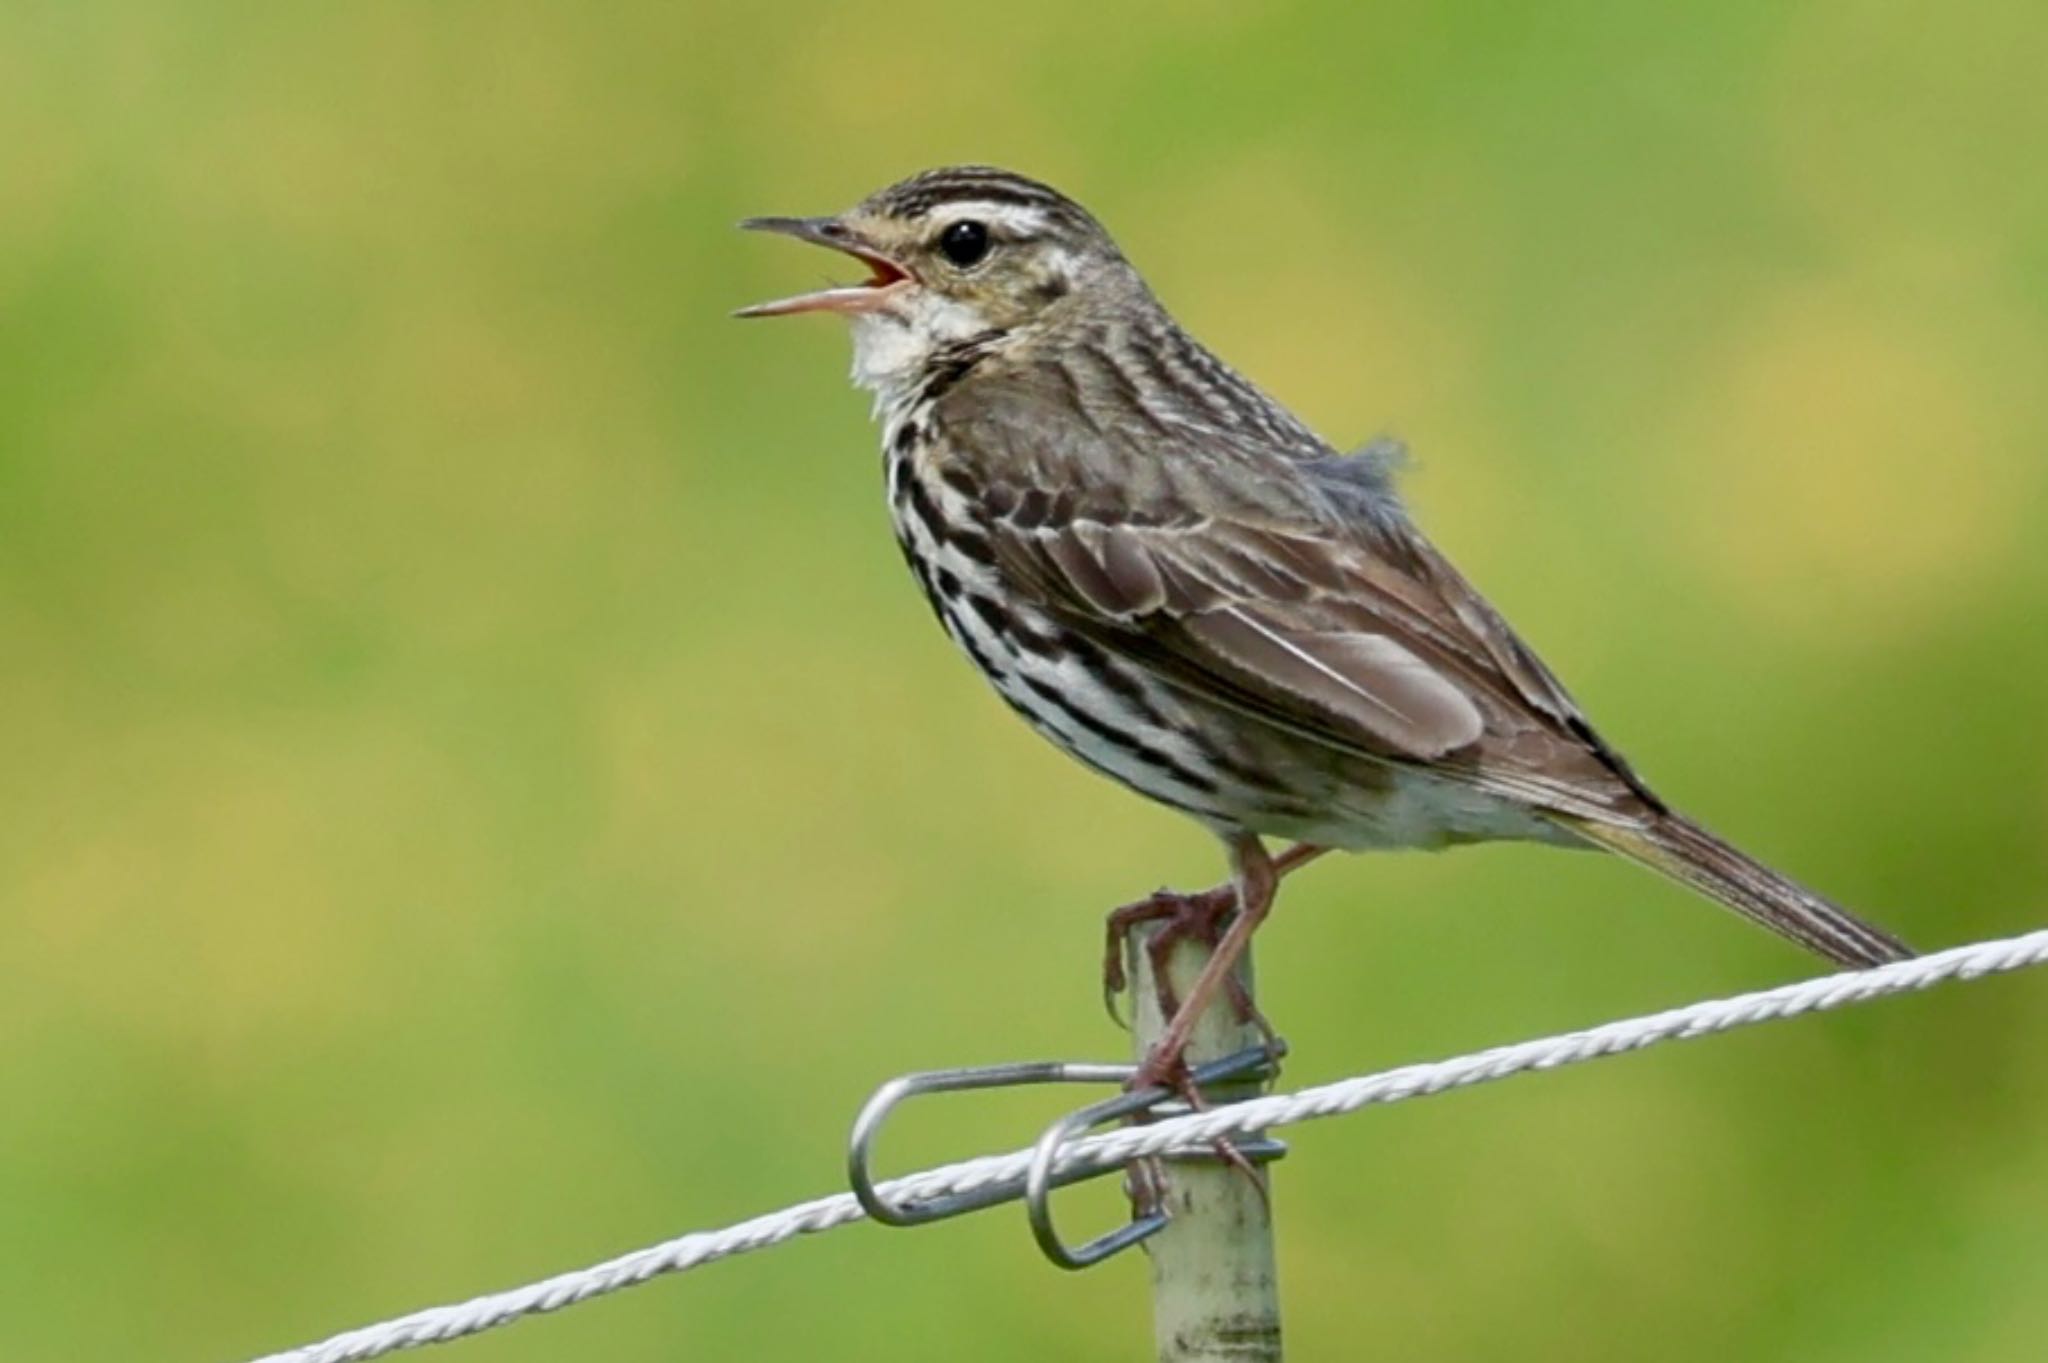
895	350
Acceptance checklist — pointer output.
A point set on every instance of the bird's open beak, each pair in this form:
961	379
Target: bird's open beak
887	276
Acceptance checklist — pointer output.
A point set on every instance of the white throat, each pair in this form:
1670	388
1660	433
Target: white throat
892	345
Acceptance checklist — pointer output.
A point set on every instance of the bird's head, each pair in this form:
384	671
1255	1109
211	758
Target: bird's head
958	254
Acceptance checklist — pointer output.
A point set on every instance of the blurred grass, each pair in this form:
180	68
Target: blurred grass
476	793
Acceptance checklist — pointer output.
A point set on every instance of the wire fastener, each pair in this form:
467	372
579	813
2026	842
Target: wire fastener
1231	1079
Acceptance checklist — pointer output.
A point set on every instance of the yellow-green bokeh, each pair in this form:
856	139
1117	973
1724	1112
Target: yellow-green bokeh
477	792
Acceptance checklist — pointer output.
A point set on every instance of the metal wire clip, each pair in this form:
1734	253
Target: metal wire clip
1243	1071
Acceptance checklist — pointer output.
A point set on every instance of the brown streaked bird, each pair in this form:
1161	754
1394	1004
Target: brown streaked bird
1172	578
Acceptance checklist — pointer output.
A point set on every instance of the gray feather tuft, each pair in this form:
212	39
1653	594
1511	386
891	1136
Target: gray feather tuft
1361	484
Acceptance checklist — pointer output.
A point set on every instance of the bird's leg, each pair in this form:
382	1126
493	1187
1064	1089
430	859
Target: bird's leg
1300	854
1197	917
1225	1148
1255	876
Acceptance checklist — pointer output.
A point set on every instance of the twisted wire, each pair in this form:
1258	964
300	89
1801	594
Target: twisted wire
440	1324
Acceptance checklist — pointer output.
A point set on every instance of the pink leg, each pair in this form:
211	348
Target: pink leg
1256	876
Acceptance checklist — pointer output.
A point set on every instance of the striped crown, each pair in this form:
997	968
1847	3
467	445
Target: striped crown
926	190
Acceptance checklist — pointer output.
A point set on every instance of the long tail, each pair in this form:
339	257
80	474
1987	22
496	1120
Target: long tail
1690	855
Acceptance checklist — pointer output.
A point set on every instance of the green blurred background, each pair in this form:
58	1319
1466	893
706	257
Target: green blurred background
478	792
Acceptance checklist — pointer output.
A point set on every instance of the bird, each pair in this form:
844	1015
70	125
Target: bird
1170	576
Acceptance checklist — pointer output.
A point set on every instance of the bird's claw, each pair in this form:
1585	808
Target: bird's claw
1196	917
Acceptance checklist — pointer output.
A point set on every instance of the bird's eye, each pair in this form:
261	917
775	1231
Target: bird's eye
965	242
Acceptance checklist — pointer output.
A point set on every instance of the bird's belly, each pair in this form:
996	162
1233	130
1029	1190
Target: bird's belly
1401	808
1102	711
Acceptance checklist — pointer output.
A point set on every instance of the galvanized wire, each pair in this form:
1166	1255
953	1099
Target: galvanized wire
439	1324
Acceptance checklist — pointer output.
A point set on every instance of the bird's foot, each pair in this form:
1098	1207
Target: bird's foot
1188	917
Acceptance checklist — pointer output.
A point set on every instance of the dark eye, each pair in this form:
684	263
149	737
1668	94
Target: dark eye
965	242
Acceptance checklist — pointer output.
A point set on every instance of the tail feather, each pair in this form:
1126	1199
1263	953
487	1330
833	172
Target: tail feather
1679	848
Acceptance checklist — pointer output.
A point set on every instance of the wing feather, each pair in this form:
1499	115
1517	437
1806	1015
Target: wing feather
1369	680
1238	576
